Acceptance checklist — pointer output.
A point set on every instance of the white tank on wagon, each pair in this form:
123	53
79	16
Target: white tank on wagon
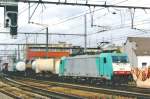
33	65
46	65
20	66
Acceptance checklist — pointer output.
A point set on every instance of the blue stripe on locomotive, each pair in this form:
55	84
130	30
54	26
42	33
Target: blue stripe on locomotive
103	64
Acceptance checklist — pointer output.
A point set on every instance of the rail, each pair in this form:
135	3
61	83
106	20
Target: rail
17	93
119	90
39	90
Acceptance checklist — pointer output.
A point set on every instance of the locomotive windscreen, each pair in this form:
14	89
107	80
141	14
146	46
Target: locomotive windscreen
120	59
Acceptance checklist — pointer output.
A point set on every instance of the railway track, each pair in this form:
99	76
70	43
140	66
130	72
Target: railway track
39	90
54	88
130	91
17	93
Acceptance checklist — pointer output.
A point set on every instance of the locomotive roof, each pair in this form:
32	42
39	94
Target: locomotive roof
83	56
97	55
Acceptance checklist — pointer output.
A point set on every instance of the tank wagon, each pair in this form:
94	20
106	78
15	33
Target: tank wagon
32	68
110	67
17	68
20	66
46	65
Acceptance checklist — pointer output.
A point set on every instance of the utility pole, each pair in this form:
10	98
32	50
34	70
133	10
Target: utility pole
85	33
46	27
132	12
46	42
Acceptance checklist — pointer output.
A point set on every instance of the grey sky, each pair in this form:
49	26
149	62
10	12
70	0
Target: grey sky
54	14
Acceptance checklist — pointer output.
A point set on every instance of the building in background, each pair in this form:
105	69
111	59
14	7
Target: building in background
57	50
138	50
54	51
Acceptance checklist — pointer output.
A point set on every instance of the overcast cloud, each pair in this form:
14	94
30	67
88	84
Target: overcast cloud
116	20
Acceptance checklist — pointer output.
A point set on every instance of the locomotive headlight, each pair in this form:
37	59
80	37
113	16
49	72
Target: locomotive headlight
121	67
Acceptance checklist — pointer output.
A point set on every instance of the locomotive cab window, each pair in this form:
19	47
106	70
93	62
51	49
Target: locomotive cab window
120	59
105	60
61	62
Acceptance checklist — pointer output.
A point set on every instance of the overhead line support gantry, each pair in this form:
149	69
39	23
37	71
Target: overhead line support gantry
84	4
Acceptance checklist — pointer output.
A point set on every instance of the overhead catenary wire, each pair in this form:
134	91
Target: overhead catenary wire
109	30
122	38
125	36
84	4
118	28
83	14
146	22
114	29
25	9
71	18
